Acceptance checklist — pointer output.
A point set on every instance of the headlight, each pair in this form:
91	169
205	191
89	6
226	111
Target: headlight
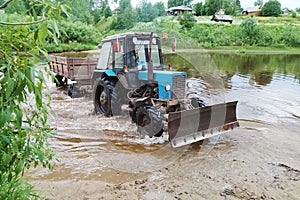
168	87
189	84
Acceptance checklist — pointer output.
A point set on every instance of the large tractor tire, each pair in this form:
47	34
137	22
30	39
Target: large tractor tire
149	121
106	102
102	96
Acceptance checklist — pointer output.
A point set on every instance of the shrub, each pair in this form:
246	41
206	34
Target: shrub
79	32
187	20
248	32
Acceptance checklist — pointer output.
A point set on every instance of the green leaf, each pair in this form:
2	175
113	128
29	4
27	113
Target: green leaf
38	57
40	155
36	35
43	33
3	118
19	167
19	116
56	28
10	86
34	14
6	158
19	90
45	54
5	139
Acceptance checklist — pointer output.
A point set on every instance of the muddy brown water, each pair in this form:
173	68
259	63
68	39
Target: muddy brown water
104	158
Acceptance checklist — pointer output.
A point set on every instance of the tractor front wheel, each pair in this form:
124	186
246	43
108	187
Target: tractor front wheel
149	121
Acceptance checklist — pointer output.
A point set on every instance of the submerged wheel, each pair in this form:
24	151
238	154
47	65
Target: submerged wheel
197	102
106	100
102	96
149	121
74	91
60	81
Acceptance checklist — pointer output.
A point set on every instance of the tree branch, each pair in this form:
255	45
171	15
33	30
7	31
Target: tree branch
23	23
5	4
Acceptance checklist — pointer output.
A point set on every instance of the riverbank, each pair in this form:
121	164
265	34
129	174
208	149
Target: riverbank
234	50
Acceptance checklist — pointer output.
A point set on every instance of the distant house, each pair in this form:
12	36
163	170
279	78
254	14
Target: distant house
179	10
286	11
221	17
256	11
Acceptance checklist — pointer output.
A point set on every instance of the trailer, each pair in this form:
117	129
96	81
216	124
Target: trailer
78	71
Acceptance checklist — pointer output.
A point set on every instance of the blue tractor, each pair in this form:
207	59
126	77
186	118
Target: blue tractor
130	77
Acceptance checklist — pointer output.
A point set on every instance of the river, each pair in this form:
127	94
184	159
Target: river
103	158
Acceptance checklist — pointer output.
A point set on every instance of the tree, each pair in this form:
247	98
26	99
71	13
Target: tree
145	11
271	8
160	8
80	10
23	110
212	6
187	20
231	6
174	3
126	18
16	6
249	32
259	3
199	9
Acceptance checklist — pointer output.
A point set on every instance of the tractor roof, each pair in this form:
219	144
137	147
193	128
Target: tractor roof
128	34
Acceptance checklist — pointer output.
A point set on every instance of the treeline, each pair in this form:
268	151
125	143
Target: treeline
87	22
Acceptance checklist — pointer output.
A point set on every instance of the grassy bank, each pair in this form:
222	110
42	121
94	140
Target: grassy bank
248	35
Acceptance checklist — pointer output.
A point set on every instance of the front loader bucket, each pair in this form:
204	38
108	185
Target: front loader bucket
189	126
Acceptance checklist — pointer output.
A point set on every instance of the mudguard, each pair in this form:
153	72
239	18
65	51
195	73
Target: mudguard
189	126
99	73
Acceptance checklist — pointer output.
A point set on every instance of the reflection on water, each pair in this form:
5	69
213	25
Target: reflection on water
260	68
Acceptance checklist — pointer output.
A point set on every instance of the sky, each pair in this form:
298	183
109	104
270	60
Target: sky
291	4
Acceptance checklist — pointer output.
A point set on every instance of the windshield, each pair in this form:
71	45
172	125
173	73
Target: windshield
142	52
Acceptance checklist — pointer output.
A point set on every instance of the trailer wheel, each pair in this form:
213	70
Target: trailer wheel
102	96
149	121
60	81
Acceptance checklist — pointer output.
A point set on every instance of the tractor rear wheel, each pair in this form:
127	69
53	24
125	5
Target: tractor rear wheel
149	121
102	96
107	100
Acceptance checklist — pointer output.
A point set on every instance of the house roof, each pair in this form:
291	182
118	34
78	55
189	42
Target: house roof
183	8
222	17
253	9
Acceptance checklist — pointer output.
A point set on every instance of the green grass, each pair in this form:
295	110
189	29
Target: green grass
53	48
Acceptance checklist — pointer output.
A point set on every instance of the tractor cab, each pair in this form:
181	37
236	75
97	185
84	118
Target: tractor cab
130	52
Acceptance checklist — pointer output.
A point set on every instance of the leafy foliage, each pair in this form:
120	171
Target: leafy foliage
79	32
212	6
271	8
126	18
146	11
174	3
248	32
16	6
259	3
199	9
187	20
23	107
159	8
